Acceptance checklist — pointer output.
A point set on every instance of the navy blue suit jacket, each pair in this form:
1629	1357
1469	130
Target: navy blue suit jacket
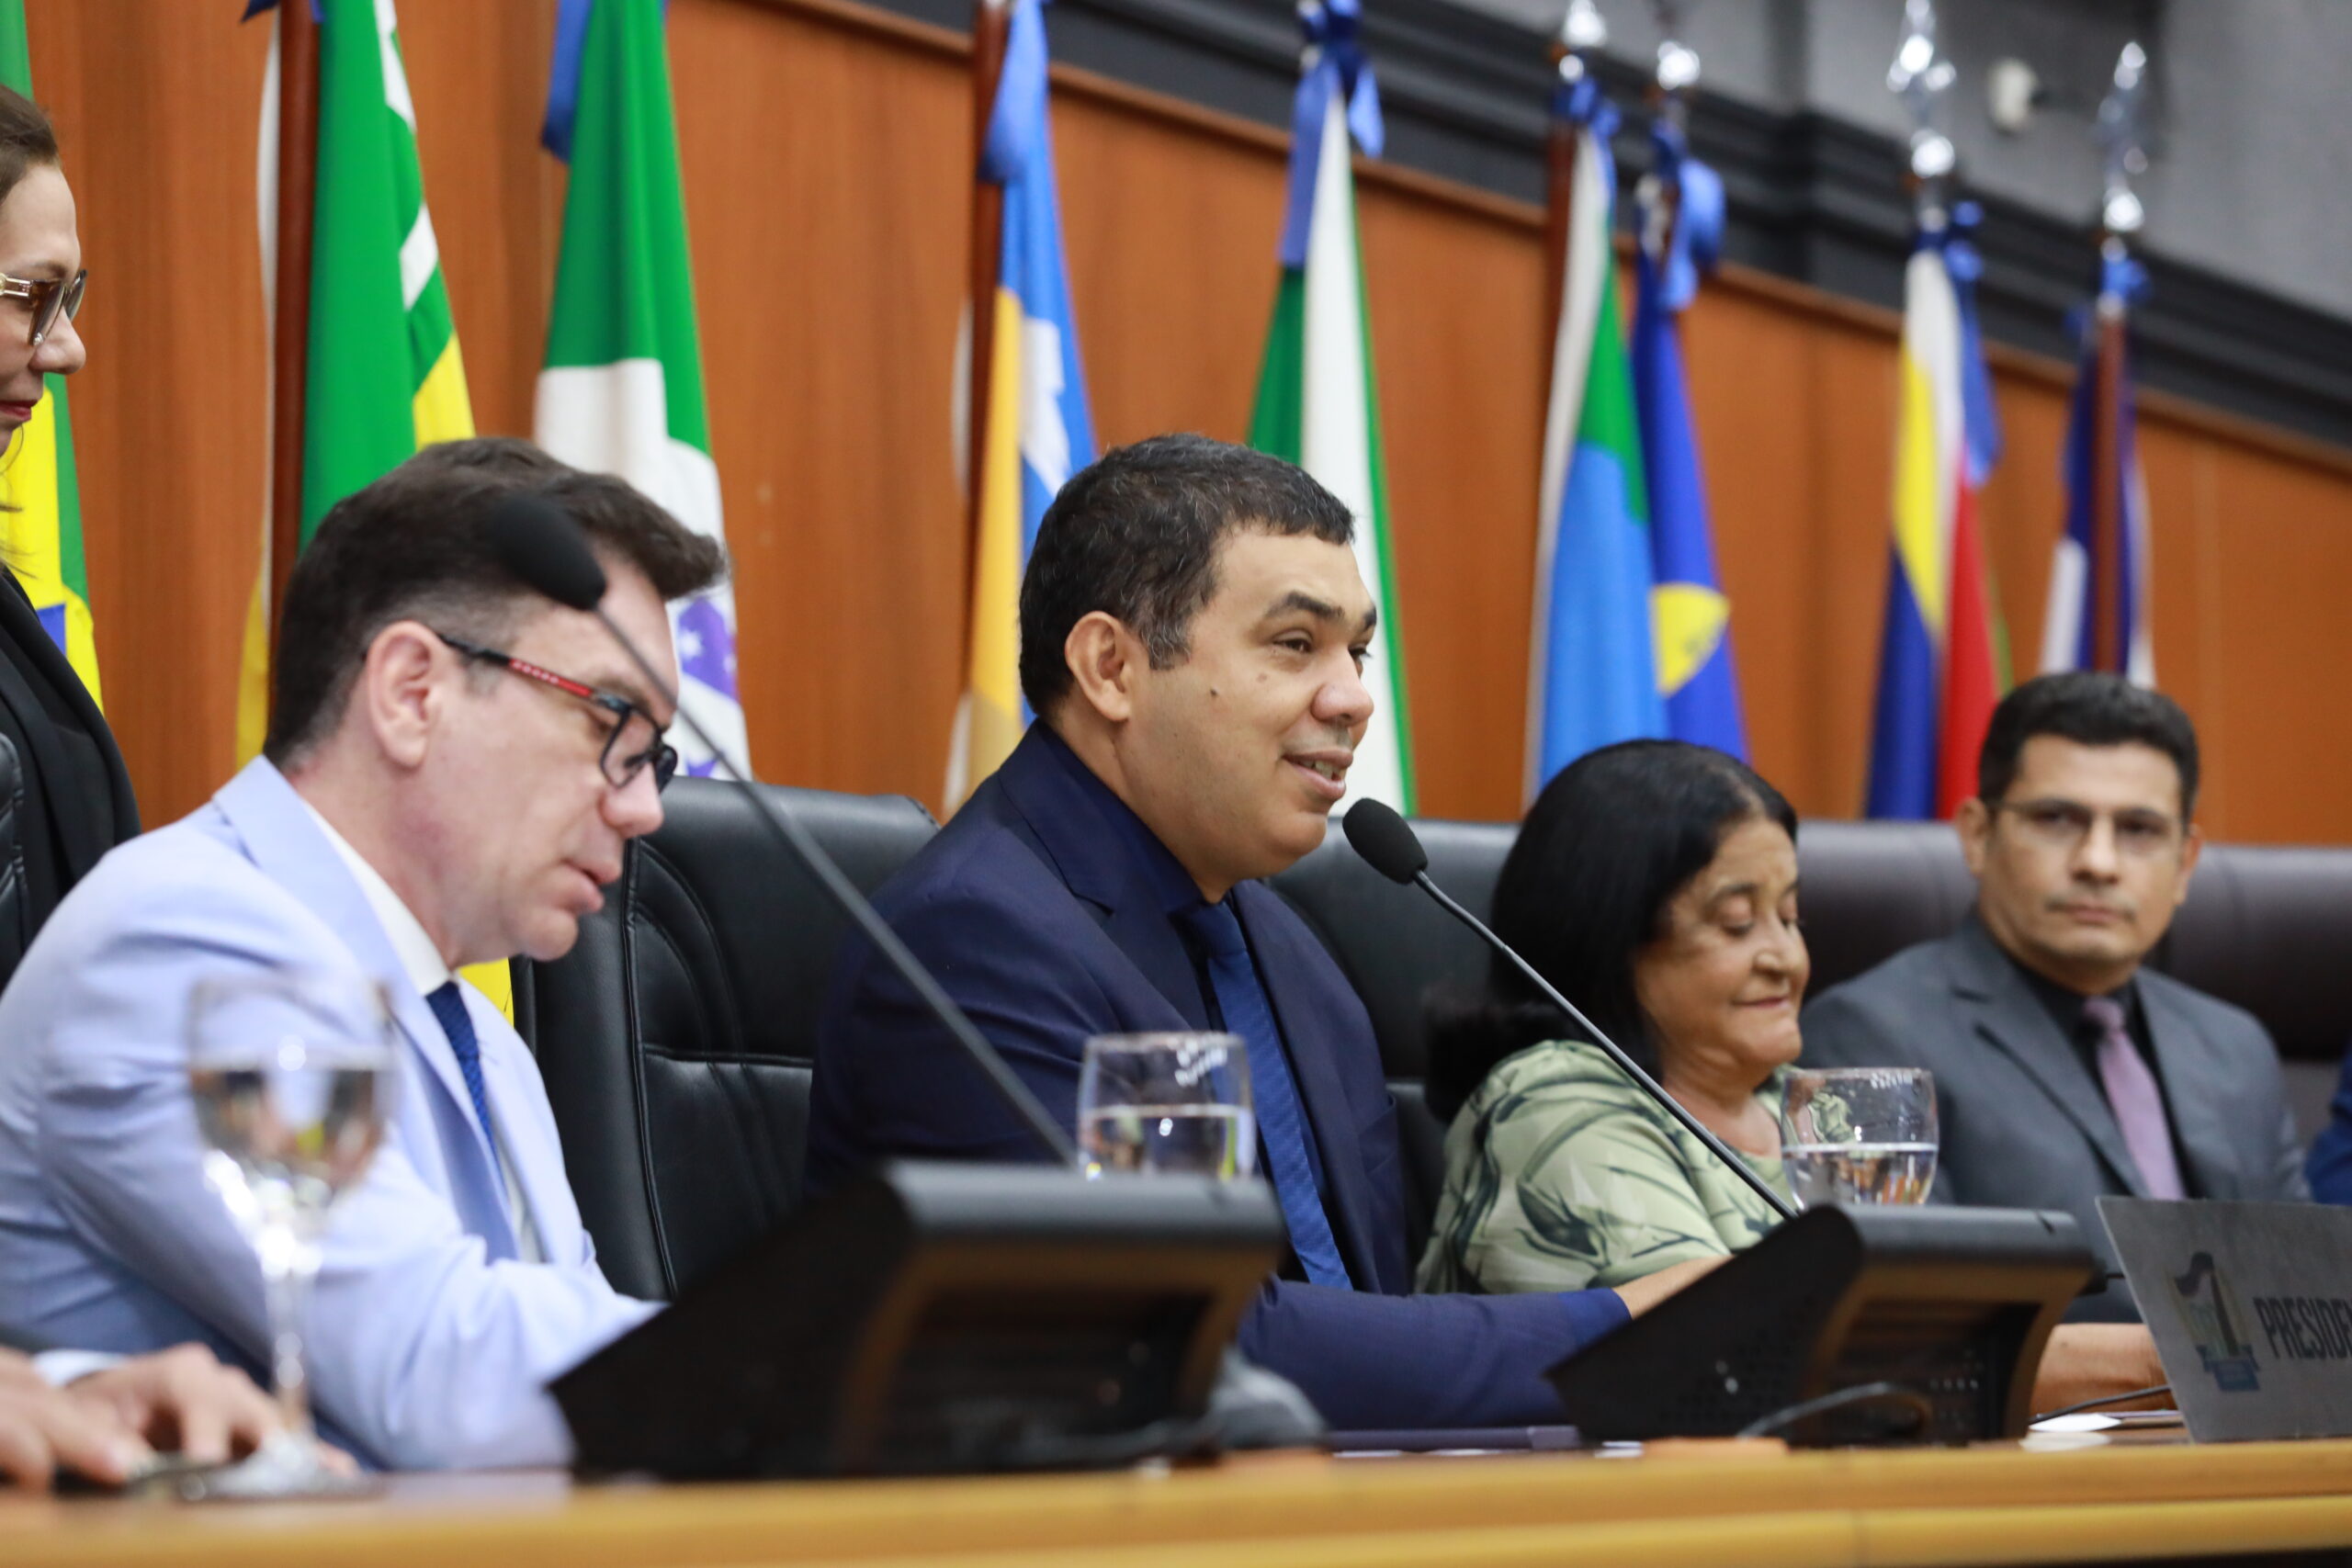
1041	921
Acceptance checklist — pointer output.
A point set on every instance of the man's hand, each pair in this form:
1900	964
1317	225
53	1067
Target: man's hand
43	1428
1645	1292
183	1399
2091	1360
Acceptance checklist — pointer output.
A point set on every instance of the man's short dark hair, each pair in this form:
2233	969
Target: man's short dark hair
1135	536
2091	709
412	546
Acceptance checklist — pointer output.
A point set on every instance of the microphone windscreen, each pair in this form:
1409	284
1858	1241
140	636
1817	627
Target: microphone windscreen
538	542
1384	840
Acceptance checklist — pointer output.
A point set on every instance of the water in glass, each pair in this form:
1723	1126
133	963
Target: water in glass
1172	1102
1858	1135
1205	1140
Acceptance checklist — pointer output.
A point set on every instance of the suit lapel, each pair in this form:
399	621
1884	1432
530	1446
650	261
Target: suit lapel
1314	1063
2201	1126
279	837
2006	1013
1090	854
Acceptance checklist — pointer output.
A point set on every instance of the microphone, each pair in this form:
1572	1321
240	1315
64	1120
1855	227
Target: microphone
540	541
1388	845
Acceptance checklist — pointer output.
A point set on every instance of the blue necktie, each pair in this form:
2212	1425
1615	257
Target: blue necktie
1282	1120
450	1009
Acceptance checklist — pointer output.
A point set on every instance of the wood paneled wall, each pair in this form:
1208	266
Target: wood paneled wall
826	151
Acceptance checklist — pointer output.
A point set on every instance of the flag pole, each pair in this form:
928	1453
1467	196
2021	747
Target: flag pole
1581	29
1677	71
2121	217
991	22
2106	486
297	165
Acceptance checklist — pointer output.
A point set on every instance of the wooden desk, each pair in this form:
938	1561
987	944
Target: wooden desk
1999	1504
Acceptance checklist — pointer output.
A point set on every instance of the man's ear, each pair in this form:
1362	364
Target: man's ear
1974	820
1105	660
398	694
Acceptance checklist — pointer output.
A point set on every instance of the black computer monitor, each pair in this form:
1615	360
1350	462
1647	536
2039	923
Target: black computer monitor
1931	1321
939	1317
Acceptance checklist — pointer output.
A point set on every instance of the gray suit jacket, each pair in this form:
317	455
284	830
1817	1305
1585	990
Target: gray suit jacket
2023	1122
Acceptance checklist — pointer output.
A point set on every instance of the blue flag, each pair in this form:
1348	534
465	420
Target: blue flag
1690	615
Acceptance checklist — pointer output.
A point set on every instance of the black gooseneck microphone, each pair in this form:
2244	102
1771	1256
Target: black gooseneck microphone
1387	844
538	542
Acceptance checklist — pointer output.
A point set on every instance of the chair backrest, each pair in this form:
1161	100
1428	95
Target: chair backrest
676	1036
2264	928
1396	947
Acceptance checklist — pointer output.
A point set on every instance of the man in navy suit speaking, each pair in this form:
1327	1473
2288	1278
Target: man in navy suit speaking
1192	636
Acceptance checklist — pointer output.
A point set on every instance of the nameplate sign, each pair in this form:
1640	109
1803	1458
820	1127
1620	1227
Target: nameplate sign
2251	1306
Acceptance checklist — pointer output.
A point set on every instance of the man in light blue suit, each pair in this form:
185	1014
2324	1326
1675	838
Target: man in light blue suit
453	768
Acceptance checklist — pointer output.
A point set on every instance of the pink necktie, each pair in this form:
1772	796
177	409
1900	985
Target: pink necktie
2138	1101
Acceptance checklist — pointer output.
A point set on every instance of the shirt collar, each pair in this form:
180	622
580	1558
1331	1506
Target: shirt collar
1171	883
2065	1004
419	958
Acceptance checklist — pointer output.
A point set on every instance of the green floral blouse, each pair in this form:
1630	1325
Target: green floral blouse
1562	1176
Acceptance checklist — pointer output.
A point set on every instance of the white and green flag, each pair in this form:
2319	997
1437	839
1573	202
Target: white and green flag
1316	405
621	392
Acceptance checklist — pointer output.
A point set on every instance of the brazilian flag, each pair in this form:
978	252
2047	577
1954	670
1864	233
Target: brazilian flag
41	531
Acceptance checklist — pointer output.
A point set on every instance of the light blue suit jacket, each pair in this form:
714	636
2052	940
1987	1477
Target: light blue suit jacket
430	1345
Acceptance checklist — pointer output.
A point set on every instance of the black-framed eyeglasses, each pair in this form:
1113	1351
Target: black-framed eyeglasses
2141	833
51	297
634	742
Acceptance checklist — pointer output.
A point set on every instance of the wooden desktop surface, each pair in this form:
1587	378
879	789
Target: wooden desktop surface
1683	1503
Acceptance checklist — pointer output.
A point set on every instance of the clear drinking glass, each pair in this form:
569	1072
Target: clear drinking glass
292	1075
1858	1135
1176	1103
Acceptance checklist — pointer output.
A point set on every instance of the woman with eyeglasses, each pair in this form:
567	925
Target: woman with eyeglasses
59	766
1656	884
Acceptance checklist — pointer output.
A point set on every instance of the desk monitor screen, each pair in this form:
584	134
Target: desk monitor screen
939	1318
1945	1310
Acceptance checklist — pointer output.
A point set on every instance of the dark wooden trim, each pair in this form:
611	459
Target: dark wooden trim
298	165
1811	200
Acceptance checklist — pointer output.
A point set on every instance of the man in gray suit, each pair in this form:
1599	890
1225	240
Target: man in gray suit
2065	1070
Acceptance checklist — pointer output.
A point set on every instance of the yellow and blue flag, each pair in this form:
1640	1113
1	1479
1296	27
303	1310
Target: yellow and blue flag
41	531
1690	615
1038	428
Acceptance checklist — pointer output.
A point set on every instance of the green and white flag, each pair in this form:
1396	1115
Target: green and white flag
621	392
385	376
1316	405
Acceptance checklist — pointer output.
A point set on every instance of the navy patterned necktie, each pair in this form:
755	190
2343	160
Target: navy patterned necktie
450	1009
1281	1119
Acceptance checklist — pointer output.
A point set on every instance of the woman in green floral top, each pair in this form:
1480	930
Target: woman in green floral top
1654	882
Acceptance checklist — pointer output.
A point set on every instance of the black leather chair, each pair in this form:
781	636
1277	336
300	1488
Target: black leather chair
676	1036
1396	947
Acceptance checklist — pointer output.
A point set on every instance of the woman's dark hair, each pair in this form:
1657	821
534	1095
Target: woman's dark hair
1604	849
26	138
